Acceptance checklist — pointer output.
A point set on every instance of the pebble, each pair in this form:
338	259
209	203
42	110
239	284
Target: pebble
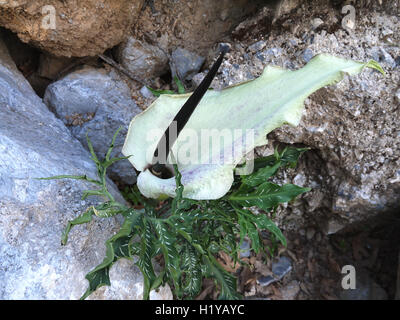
185	64
265	281
316	22
146	93
258	46
307	55
282	267
245	249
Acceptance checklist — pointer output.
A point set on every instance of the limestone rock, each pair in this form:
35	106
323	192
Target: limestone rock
95	102
70	28
143	60
33	213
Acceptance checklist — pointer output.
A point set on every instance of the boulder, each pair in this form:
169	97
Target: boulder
70	28
33	213
95	102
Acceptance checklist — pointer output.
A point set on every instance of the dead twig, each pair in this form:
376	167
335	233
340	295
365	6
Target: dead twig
120	68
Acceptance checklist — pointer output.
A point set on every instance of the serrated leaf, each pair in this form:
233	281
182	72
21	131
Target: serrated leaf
85	217
267	195
226	281
146	254
264	223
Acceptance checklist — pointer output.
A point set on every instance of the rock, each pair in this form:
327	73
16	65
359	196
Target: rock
366	289
265	281
285	6
307	55
185	64
143	60
353	126
124	289
291	290
80	28
245	249
331	226
96	102
146	93
194	25
281	267
33	213
258	46
380	55
315	23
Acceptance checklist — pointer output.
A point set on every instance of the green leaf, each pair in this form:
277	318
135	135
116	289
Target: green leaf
116	247
179	84
146	254
167	242
224	278
264	223
267	195
191	267
85	217
261	176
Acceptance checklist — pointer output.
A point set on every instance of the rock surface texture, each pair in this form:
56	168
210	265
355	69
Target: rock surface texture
70	28
95	102
352	127
33	213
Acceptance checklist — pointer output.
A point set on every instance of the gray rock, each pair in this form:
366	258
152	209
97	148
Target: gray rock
146	93
96	102
265	281
281	267
33	213
143	60
307	55
185	64
258	46
245	249
315	23
382	56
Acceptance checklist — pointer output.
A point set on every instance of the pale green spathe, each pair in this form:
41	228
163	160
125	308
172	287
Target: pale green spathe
263	104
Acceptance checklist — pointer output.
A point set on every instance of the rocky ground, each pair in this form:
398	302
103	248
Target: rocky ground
351	217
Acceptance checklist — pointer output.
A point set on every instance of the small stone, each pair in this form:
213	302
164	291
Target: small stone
245	249
146	93
185	64
276	52
282	267
258	46
317	22
265	281
307	55
143	60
